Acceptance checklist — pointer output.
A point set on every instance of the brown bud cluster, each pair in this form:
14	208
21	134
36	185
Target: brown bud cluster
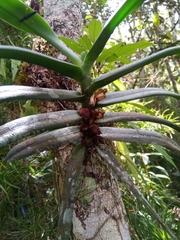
89	129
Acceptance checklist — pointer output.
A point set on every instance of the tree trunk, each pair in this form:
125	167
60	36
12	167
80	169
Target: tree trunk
99	211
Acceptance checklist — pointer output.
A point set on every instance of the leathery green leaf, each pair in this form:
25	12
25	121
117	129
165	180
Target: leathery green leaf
128	95
43	142
18	92
138	136
30	56
23	17
35	124
73	171
109	77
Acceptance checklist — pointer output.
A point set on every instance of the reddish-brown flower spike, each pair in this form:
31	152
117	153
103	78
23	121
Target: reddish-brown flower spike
94	113
94	130
90	130
84	127
85	113
91	121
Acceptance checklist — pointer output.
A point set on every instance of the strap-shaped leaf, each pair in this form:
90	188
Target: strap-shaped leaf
30	56
17	93
115	117
16	13
116	167
138	136
73	172
109	77
43	142
128	95
35	124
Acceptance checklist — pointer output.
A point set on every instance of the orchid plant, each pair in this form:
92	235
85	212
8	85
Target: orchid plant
87	126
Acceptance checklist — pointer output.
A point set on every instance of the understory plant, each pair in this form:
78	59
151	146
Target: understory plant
88	127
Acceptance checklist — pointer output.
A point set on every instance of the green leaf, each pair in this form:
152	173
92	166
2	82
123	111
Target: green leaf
94	28
165	155
109	77
157	176
13	11
3	68
119	50
141	107
122	149
14	68
4	190
161	169
156	20
28	109
119	85
72	44
30	56
124	60
85	42
127	8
